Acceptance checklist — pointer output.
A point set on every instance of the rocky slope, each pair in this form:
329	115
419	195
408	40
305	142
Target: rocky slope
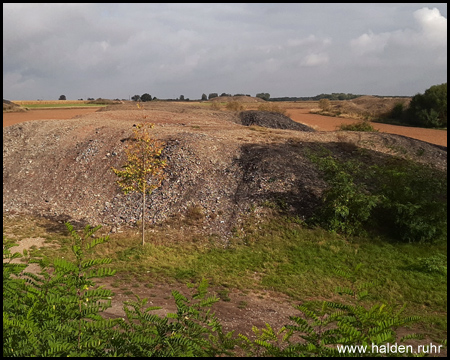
218	169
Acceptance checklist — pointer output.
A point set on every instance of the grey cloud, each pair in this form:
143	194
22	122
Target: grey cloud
284	49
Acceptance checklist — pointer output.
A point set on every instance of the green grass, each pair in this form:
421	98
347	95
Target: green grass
282	255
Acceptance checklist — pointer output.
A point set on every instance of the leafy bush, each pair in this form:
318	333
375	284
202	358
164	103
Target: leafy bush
359	126
406	201
428	109
346	206
57	313
433	264
397	111
414	206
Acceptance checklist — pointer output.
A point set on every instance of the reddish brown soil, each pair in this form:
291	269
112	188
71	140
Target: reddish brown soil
48	114
318	122
328	123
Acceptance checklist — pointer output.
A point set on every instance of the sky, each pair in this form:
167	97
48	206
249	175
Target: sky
118	50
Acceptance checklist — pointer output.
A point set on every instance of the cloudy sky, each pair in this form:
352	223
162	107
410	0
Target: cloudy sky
167	50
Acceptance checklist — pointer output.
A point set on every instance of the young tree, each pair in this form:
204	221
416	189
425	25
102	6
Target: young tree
144	169
204	97
62	97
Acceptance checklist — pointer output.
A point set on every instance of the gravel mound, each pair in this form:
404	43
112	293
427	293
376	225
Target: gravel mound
271	120
218	171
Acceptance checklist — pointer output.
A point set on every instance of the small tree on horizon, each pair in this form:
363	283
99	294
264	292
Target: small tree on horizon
146	97
264	96
62	97
144	169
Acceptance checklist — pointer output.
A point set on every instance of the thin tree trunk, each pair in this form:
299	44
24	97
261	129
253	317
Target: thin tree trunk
143	215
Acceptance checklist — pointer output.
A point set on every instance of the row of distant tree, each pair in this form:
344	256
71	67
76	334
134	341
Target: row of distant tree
265	96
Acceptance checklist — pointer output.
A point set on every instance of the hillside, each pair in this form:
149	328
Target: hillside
218	168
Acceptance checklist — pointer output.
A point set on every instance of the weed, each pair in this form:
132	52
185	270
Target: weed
271	107
194	215
433	264
234	106
242	305
359	126
215	105
223	295
420	152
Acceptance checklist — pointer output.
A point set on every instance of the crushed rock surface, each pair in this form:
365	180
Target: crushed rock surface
61	169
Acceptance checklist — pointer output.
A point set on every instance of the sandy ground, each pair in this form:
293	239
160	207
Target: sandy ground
318	122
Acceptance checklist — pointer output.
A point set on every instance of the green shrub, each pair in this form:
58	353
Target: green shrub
397	111
433	264
414	205
428	109
346	205
406	201
57	313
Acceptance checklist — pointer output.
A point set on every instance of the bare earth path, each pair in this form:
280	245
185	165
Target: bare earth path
18	117
328	123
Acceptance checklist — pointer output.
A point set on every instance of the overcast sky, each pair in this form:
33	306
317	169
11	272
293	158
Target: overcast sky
167	50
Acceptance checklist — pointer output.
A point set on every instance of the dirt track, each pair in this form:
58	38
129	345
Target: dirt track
18	117
327	123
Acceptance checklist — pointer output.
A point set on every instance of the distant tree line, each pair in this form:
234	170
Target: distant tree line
332	96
